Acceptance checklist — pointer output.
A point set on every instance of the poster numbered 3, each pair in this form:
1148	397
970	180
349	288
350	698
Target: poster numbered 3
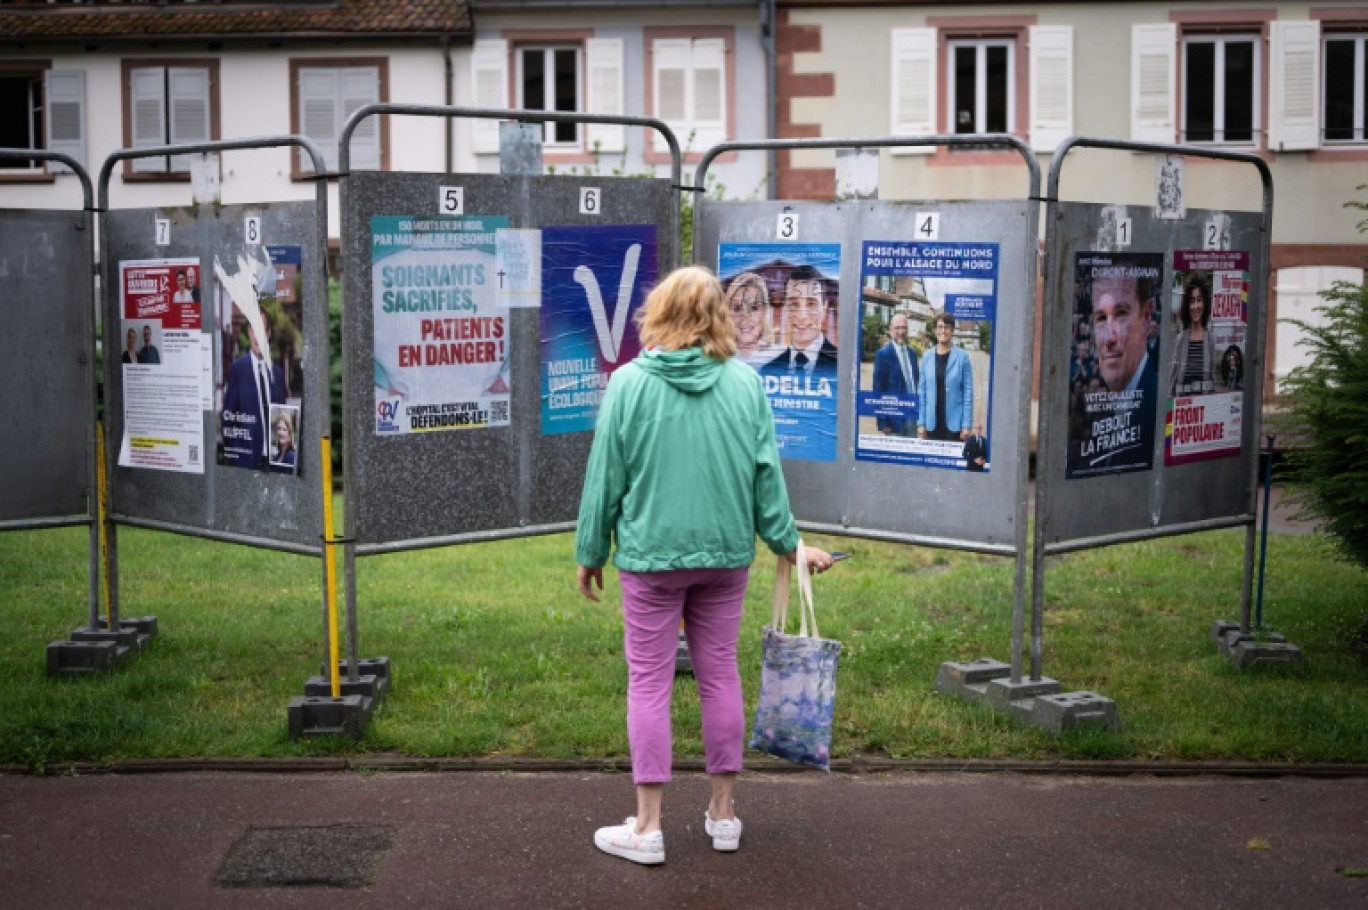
451	200
927	225
251	230
787	228
591	200
161	231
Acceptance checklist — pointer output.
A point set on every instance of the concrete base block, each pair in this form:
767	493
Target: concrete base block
365	666
968	679
75	658
126	637
1249	653
322	716
1221	627
370	686
146	625
683	663
1003	693
1069	711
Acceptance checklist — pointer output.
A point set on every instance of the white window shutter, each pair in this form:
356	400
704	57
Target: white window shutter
709	92
914	85
357	87
1153	67
188	88
147	89
318	115
489	76
603	64
1294	87
1051	86
670	81
66	131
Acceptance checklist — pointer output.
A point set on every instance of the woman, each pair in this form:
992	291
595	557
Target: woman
130	352
284	460
748	301
945	407
1190	373
1232	368
684	473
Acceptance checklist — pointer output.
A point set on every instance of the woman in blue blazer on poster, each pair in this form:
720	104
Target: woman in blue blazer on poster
946	394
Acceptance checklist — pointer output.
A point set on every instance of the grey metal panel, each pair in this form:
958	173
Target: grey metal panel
428	489
898	501
229	503
1143	502
47	404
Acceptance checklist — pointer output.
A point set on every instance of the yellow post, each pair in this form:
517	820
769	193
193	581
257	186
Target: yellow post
102	510
330	564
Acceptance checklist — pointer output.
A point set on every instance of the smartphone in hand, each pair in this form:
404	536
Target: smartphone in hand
837	557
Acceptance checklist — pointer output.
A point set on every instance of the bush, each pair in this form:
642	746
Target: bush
1328	416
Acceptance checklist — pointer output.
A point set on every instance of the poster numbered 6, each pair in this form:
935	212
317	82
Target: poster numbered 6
451	200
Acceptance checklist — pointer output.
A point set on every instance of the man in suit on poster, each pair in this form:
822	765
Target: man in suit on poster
895	373
254	384
805	312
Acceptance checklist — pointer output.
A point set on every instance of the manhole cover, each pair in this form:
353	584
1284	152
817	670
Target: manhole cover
331	856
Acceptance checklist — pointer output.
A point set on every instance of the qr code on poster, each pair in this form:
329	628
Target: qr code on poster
194	454
498	412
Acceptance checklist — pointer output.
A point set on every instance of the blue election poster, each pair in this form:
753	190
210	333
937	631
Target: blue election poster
594	279
927	313
784	299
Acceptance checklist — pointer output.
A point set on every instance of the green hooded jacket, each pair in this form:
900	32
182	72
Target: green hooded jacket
684	468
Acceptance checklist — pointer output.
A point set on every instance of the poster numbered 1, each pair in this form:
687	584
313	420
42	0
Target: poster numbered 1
1124	232
787	228
162	231
451	200
927	225
591	200
251	230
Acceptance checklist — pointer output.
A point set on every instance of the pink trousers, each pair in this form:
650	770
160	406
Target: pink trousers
710	601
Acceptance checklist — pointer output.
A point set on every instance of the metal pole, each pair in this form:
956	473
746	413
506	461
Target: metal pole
1263	534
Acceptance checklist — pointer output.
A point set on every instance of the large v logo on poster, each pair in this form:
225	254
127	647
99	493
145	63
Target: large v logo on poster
582	342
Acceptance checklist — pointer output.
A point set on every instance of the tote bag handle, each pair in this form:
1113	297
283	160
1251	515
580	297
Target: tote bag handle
782	583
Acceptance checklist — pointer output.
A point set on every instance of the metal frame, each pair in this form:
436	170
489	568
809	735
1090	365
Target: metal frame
1051	362
1018	548
90	518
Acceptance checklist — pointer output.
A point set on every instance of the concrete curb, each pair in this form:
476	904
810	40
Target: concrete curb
394	764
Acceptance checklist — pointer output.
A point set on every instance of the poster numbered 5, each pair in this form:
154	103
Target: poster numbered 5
451	200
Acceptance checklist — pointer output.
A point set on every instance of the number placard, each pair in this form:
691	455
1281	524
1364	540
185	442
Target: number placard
1211	236
591	200
451	200
251	229
162	230
787	228
1124	232
927	226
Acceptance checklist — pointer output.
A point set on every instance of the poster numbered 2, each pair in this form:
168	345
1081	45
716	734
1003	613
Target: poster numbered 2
451	200
591	200
161	231
1211	235
927	225
251	230
787	228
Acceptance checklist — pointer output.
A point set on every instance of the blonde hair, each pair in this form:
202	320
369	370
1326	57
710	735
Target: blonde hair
687	309
750	279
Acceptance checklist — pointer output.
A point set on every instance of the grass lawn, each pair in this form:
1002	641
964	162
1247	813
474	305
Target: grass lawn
495	653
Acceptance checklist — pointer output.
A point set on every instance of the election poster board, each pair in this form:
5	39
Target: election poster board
910	409
594	279
164	365
259	384
441	330
1114	363
795	351
1209	308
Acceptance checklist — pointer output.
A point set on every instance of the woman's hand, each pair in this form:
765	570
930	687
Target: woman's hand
818	560
585	575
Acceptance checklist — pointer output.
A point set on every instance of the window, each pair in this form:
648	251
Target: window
689	90
981	85
1220	92
169	103
548	79
1346	89
41	109
325	94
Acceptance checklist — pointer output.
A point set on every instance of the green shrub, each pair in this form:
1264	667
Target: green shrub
1327	417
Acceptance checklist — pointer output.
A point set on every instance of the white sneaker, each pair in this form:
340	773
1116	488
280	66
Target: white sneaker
726	834
622	840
